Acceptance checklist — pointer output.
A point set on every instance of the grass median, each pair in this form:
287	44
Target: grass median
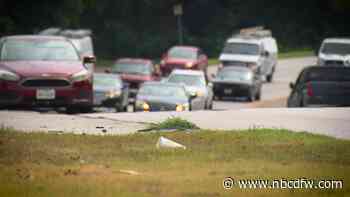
37	164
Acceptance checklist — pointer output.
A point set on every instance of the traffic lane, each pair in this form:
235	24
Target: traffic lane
50	122
287	71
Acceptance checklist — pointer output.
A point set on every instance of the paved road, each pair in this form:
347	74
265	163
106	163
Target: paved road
327	121
332	122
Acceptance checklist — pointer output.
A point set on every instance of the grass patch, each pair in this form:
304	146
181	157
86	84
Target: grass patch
297	53
174	123
36	164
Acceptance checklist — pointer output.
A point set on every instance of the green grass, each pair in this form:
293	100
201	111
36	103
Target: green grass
297	53
53	165
175	123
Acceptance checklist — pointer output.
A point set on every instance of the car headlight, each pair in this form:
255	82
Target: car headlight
162	62
320	62
248	76
8	76
182	107
142	105
81	76
199	93
189	65
113	93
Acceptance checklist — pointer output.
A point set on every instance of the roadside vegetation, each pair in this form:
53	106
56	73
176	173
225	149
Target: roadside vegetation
37	164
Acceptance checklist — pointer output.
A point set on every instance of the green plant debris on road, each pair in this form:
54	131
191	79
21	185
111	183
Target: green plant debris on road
37	164
174	123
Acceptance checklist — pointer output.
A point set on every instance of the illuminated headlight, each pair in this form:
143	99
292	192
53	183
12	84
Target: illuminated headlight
162	62
81	76
199	93
142	105
8	76
189	65
113	94
249	76
182	107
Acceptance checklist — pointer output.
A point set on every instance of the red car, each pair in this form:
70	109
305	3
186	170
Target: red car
44	71
135	72
183	57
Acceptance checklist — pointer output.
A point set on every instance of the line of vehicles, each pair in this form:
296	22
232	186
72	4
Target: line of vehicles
56	69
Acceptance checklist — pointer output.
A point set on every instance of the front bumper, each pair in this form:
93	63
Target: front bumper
235	90
100	100
13	94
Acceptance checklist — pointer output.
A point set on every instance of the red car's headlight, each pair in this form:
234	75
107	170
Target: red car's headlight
8	76
81	76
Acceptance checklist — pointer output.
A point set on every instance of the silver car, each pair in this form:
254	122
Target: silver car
196	84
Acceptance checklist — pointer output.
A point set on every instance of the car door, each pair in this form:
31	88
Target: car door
296	96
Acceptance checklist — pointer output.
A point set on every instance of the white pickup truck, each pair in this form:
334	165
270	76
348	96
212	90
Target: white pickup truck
334	52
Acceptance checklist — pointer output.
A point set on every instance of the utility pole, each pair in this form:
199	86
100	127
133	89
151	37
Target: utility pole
178	12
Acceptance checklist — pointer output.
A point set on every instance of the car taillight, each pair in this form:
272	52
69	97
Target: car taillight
310	92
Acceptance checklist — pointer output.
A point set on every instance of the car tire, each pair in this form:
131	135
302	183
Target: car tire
269	77
258	95
251	96
79	109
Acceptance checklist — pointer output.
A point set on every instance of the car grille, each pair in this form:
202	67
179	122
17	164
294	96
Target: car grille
45	83
175	66
160	106
234	63
334	63
134	85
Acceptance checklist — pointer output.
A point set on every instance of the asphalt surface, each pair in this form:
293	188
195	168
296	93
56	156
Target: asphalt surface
227	115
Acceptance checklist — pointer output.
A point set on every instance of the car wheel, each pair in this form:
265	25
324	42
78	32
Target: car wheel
79	109
251	96
269	77
258	95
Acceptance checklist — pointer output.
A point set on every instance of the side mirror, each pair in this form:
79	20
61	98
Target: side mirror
213	76
108	70
89	60
291	85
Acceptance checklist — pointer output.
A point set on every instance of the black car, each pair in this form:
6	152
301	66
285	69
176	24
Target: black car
237	81
321	86
110	91
158	96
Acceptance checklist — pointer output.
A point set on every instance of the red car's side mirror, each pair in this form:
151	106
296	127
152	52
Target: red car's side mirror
89	60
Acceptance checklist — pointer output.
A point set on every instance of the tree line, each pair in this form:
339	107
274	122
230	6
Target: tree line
148	27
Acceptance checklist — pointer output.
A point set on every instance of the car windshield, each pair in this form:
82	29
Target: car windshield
336	48
241	49
328	75
107	81
233	75
183	53
132	68
38	50
188	80
163	91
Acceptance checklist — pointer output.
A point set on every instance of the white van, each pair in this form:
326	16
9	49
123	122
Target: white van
334	52
258	49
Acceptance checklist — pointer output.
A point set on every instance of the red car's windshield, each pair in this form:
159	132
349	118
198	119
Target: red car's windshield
182	53
38	50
